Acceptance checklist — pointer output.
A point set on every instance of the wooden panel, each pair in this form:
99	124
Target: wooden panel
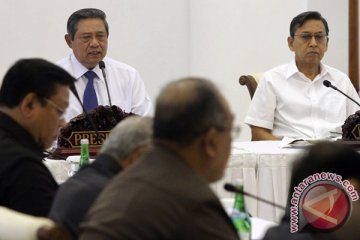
354	42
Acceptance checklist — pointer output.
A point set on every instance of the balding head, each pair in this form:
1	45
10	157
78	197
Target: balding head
194	120
186	108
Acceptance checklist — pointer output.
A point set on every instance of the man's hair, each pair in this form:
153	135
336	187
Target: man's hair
33	75
186	108
300	19
85	13
128	135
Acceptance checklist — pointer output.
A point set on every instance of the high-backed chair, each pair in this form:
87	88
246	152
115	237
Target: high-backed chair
250	82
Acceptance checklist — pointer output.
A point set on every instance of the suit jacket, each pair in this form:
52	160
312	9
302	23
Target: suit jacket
26	184
158	197
78	193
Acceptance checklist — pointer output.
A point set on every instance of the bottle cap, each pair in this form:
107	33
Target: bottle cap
239	182
84	141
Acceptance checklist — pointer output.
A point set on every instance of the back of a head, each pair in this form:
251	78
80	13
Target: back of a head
128	135
186	108
32	75
85	13
300	19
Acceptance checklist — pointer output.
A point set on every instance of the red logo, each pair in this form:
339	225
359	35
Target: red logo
326	206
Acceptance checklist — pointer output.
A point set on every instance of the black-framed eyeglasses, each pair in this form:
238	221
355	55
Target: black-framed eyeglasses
58	109
307	37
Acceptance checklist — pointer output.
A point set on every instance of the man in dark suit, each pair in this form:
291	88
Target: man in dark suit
33	97
166	194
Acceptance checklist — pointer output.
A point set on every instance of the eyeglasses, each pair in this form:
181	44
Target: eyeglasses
85	38
234	131
307	37
58	109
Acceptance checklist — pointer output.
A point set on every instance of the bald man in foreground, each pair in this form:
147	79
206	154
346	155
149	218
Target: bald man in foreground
166	193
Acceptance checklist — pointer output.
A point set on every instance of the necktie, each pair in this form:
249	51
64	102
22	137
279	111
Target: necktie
90	99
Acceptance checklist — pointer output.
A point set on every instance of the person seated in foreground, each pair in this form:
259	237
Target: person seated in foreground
33	97
166	194
325	157
291	99
126	143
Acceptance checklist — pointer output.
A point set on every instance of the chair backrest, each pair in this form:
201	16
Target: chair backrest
250	82
15	225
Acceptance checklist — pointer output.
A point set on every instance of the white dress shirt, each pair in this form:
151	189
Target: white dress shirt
290	104
126	88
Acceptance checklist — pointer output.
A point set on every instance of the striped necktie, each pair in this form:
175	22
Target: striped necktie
90	98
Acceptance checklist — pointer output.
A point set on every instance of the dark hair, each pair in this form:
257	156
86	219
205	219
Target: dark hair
186	108
300	19
84	13
32	75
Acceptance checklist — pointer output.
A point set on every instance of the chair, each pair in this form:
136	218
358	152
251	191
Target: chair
15	225
250	82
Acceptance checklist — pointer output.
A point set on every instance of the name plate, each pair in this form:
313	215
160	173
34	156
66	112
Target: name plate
95	139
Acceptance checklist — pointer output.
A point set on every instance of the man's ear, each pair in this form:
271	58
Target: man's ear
68	40
290	41
209	143
28	104
327	44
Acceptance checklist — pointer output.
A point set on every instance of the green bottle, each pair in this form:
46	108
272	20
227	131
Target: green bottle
84	155
240	216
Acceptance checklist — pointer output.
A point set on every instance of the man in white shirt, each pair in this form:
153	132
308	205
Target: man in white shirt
87	36
291	99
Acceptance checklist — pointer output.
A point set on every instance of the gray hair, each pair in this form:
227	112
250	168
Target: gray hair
128	135
85	13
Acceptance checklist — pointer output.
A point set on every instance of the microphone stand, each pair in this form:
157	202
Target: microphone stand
231	188
328	84
102	67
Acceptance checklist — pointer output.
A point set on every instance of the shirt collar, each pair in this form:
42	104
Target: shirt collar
80	69
106	164
292	69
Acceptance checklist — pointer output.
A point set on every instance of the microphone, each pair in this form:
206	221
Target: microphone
102	67
328	84
231	188
75	92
